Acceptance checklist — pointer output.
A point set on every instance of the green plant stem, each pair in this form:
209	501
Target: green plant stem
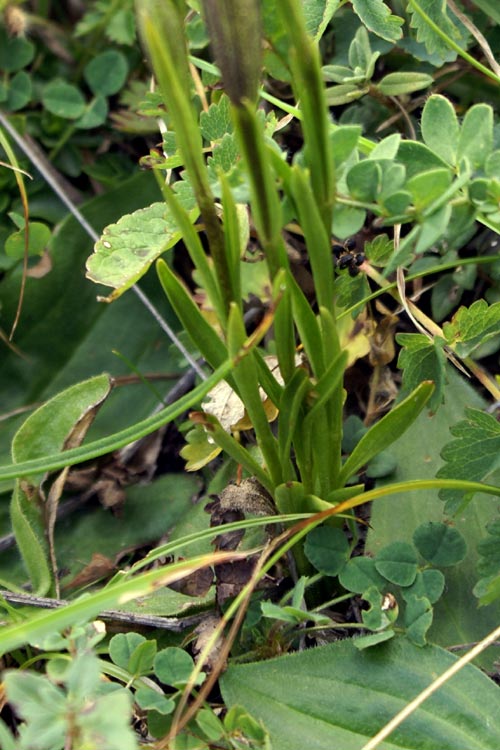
118	439
158	23
309	89
453	45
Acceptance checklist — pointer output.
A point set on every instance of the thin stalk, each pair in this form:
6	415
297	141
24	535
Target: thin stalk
453	45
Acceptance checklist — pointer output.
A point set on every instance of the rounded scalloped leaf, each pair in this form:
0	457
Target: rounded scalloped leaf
126	249
327	549
440	544
397	562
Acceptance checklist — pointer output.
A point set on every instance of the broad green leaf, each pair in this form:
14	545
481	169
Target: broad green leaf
420	359
121	27
440	544
95	113
472	326
394	84
378	252
106	73
127	249
347	221
436	12
387	430
173	666
440	128
387	148
142	657
149	699
318	14
16	52
476	135
45	431
64	301
19	91
344	140
433	228
360	574
216	121
224	156
474	453
327	549
304	699
364	180
397	517
427	187
417	157
38	239
397	562
429	583
122	646
418	619
377	17
63	99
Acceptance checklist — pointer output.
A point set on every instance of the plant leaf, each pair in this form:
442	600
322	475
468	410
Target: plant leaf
377	17
440	128
324	697
126	249
387	430
318	14
397	517
397	562
473	326
476	135
439	543
394	84
473	455
423	359
426	34
327	549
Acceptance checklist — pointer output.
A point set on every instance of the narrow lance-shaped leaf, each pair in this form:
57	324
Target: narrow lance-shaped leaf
387	430
199	330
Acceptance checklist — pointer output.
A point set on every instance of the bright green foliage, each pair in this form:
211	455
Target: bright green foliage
377	17
128	248
421	10
474	453
317	15
312	693
471	327
423	358
39	236
440	544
